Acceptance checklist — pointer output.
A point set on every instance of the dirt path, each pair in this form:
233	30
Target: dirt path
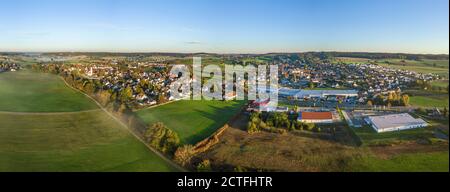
158	105
173	164
153	106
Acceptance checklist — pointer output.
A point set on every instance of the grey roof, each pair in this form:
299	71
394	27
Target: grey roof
322	93
311	93
395	120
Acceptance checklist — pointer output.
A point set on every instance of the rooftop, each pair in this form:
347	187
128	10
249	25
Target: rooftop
395	120
315	115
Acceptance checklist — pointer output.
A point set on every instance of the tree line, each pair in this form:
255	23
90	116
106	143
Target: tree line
393	99
276	122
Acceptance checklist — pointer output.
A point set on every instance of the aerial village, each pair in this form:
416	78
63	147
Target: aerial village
319	93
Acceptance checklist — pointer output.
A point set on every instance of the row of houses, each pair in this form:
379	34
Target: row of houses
370	80
149	87
6	66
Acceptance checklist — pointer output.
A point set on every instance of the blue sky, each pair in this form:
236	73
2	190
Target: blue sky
225	26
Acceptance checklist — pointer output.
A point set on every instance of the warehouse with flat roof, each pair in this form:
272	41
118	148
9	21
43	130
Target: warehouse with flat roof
325	93
303	93
395	122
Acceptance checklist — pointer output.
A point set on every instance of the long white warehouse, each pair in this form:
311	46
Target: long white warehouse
395	122
302	93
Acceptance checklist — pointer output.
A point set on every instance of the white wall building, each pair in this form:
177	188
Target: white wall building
395	122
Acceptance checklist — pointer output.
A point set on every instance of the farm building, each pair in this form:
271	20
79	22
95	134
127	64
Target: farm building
315	117
395	122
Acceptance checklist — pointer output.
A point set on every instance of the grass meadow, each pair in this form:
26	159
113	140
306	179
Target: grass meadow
192	120
411	162
86	141
28	91
56	141
427	101
439	67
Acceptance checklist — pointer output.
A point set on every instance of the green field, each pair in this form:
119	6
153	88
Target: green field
441	83
429	101
406	152
86	141
58	141
418	63
425	98
369	136
192	120
27	91
416	162
439	67
350	60
420	69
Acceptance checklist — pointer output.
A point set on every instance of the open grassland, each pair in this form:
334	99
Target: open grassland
349	60
303	151
274	152
257	60
28	91
205	61
440	83
424	98
419	63
72	134
370	137
439	67
192	120
412	162
428	101
408	150
420	69
86	141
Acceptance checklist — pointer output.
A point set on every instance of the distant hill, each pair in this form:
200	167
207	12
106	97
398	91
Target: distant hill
368	55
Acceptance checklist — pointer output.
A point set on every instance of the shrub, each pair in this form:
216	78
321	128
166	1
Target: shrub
162	138
184	154
282	131
204	166
240	169
308	126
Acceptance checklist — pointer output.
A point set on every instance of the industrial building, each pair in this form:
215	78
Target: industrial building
395	122
302	93
325	93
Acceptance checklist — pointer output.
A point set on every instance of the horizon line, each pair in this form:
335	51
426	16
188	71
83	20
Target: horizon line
230	53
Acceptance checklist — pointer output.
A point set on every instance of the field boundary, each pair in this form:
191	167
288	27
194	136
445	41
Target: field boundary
48	113
173	164
154	106
214	138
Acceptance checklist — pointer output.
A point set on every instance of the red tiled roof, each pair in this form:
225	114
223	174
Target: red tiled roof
317	115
